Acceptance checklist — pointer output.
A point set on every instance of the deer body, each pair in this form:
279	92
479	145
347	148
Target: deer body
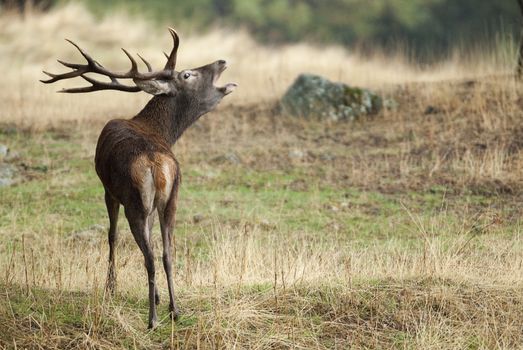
133	157
138	169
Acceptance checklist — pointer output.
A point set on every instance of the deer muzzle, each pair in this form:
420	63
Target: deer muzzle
220	66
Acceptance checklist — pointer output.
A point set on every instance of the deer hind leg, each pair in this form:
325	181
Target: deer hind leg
167	219
140	229
113	207
150	224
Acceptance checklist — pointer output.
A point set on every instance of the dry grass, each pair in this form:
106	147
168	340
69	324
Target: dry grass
399	231
263	292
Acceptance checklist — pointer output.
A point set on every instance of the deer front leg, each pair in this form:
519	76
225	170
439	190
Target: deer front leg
150	224
149	265
113	208
167	227
167	265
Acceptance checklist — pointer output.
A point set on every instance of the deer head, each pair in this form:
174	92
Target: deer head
194	88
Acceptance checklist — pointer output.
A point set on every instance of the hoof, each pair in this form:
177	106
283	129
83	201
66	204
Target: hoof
152	325
175	313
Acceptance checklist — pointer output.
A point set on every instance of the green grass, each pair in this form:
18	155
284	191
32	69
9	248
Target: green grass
67	185
64	195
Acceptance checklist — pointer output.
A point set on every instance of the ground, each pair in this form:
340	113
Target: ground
398	230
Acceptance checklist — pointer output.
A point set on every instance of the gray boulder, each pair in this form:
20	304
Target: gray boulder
312	96
91	235
3	151
8	174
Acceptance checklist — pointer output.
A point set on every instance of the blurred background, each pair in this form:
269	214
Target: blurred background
429	29
268	43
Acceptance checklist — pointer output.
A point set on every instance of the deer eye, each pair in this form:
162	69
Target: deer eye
186	75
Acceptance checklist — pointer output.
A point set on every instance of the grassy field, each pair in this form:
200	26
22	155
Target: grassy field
402	230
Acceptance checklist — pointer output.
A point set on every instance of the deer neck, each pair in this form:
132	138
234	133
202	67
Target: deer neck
168	116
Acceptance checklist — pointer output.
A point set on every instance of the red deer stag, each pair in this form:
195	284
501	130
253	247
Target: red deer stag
133	157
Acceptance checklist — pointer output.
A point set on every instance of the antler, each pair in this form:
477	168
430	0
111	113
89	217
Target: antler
92	66
171	60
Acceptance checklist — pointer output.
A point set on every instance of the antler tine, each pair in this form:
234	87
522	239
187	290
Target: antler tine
134	65
71	65
57	77
149	68
171	60
97	85
99	88
87	57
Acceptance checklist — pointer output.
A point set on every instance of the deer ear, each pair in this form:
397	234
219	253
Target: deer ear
155	87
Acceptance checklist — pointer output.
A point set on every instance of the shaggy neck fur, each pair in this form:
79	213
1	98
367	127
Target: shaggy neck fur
169	116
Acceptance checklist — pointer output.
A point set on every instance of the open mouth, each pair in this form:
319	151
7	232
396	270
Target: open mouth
227	88
219	72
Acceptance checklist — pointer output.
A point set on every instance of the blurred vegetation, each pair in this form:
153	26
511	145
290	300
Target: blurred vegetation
426	26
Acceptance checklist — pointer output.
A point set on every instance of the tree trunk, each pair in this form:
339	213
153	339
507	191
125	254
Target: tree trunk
519	68
25	6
